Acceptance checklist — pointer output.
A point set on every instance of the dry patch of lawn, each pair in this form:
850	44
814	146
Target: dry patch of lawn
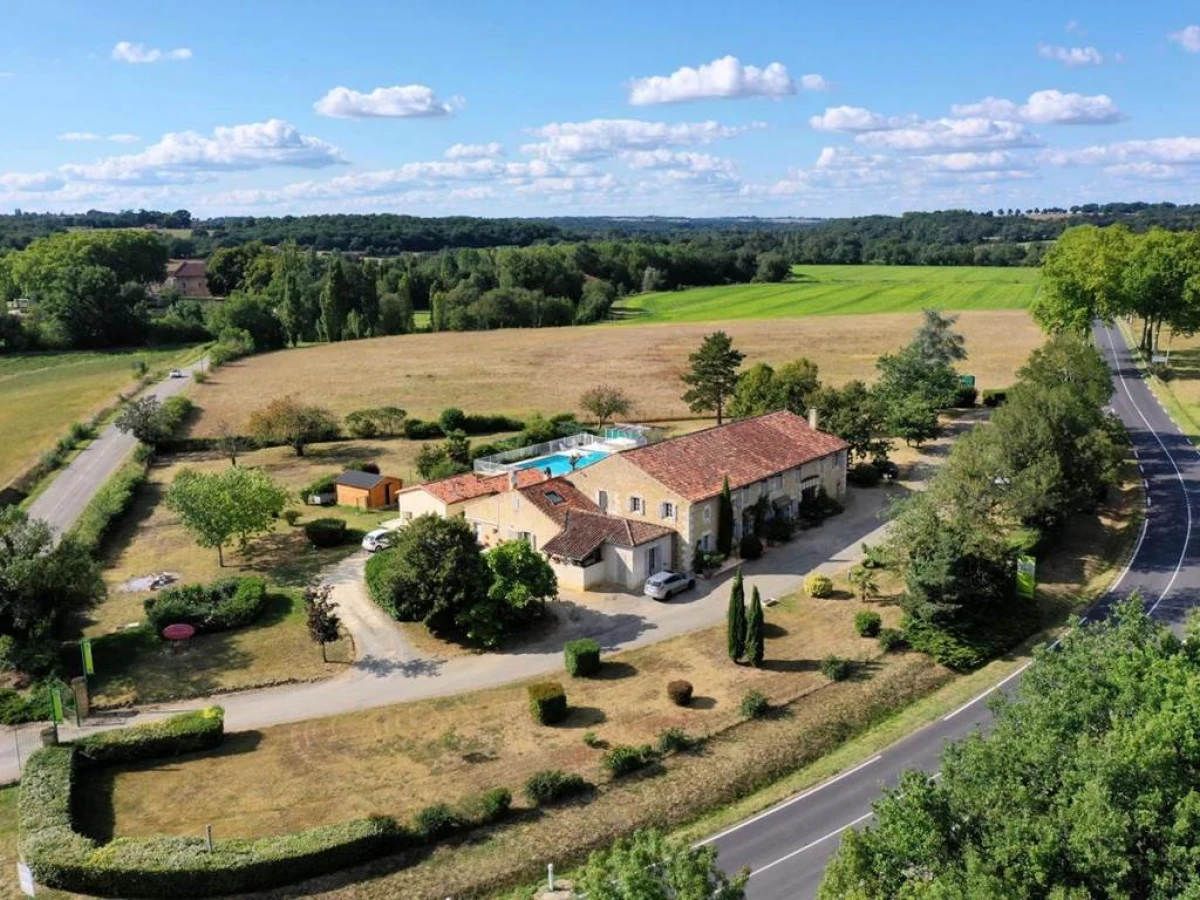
522	371
398	759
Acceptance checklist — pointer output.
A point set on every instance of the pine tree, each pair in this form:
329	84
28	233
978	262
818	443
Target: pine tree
736	626
725	519
714	375
754	648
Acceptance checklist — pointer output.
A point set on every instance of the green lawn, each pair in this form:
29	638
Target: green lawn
843	290
41	394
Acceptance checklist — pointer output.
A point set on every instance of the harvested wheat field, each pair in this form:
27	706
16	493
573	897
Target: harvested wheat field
522	371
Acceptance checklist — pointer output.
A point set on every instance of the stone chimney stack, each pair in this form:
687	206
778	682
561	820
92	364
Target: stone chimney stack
812	418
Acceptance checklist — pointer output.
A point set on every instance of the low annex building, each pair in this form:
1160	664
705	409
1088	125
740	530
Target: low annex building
366	490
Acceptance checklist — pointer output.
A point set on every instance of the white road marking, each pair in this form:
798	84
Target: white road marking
810	845
994	687
787	803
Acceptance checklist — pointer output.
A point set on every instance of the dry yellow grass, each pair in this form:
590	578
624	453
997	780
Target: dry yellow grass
519	372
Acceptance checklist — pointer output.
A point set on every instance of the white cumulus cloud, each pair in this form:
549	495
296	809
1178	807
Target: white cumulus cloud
948	135
189	156
853	119
725	78
475	151
84	136
1188	38
598	138
1050	107
813	82
32	182
130	52
1072	56
396	102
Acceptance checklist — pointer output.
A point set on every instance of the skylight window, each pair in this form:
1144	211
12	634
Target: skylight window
554	497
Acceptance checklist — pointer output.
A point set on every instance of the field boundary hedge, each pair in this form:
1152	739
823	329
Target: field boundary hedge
160	868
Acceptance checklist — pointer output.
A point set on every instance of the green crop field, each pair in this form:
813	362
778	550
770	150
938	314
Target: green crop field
843	290
41	394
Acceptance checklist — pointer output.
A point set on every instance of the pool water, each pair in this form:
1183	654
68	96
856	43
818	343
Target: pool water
560	463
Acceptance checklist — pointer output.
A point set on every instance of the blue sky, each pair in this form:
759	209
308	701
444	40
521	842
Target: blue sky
531	108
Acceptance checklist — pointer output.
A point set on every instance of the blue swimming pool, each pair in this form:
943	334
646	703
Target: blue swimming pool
560	463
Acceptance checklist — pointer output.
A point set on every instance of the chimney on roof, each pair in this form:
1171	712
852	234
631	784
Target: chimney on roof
513	479
812	418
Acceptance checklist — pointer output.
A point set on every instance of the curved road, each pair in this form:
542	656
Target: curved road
788	846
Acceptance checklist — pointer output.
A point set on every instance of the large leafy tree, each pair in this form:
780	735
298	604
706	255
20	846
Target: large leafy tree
649	866
762	389
41	583
1158	269
605	402
434	573
713	375
1086	788
287	421
856	415
219	507
1083	279
522	583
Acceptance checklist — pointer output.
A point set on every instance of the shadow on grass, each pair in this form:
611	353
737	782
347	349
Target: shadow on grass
583	717
703	703
774	630
615	671
790	665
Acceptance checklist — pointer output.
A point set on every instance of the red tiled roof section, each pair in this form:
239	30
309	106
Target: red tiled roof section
694	465
458	488
556	496
583	532
187	268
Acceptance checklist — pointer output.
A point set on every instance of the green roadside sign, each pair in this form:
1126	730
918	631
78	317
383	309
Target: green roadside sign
85	648
1026	577
967	380
56	706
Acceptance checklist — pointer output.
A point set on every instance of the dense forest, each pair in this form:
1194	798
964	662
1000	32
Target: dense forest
951	237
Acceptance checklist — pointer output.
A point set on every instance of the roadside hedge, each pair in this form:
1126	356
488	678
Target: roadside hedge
108	504
188	732
220	606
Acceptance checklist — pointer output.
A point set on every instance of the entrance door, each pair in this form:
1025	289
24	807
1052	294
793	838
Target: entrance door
651	561
602	500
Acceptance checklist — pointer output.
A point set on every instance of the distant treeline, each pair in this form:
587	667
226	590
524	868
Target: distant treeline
950	237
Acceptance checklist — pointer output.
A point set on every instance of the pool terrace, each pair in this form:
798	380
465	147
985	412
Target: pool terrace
566	455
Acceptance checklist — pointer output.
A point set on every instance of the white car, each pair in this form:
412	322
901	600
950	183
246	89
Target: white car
379	539
665	585
177	373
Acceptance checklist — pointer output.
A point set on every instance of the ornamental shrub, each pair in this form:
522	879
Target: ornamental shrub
291	516
325	532
680	692
818	585
436	822
547	702
676	740
867	623
864	475
552	785
219	606
749	547
582	657
326	484
891	639
492	806
835	668
754	705
625	759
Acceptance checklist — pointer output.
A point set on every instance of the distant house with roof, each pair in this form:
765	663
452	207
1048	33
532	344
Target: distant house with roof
774	463
629	514
189	277
366	490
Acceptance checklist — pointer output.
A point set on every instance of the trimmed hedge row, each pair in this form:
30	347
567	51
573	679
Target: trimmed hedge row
108	504
326	532
220	606
188	732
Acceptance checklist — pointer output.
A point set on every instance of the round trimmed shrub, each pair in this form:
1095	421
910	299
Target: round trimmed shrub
754	705
818	585
551	785
867	623
835	668
582	657
219	606
547	702
436	822
326	532
624	759
680	692
494	805
892	639
749	547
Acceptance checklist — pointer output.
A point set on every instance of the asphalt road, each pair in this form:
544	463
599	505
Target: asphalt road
787	847
63	502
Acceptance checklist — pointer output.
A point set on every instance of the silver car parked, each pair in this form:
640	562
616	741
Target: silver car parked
665	585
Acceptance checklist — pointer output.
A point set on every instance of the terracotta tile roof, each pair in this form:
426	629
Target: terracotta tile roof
694	465
468	486
187	268
556	497
583	532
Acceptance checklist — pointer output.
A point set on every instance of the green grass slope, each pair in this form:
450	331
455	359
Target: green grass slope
843	290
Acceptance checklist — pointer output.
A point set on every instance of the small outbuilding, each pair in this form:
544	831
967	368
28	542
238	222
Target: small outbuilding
367	490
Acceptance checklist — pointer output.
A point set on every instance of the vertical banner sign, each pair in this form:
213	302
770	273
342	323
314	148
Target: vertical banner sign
1026	577
85	647
56	707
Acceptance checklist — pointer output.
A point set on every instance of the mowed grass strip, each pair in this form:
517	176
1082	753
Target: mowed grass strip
844	290
522	371
41	394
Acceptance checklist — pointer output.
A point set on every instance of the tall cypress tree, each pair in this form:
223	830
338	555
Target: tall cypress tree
755	639
725	519
736	625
